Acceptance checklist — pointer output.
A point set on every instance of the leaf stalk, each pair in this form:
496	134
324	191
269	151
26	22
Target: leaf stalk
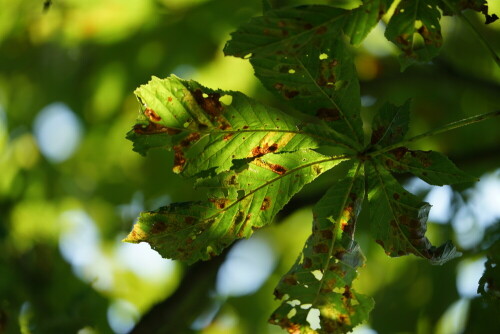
444	128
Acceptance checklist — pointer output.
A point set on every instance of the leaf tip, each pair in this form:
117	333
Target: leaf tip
136	236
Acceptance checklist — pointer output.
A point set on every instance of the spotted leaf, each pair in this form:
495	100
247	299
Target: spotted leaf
317	294
414	28
209	129
239	201
398	220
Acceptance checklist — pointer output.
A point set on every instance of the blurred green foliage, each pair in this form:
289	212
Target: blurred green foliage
91	55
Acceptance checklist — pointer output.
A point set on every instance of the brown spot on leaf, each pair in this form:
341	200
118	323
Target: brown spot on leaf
290	280
321	81
158	227
169	99
266	203
278	169
339	254
403	39
377	134
245	127
278	294
307	263
265	149
192	137
290	94
321	30
380	242
328	114
327	234
210	104
179	159
228	136
347	292
308	26
417	233
220	203
396	196
343	319
152	115
399	152
321	248
224	125
189	220
154	128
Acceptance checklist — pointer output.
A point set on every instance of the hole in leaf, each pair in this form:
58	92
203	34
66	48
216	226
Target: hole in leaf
323	56
248	56
291	71
317	274
313	318
294	302
306	306
291	313
226	99
205	95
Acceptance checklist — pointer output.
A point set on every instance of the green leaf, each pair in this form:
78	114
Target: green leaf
285	31
209	129
321	280
399	220
390	124
480	6
415	18
432	167
364	18
239	201
321	81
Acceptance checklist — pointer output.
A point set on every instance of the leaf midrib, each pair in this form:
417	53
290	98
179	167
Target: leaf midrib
335	232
